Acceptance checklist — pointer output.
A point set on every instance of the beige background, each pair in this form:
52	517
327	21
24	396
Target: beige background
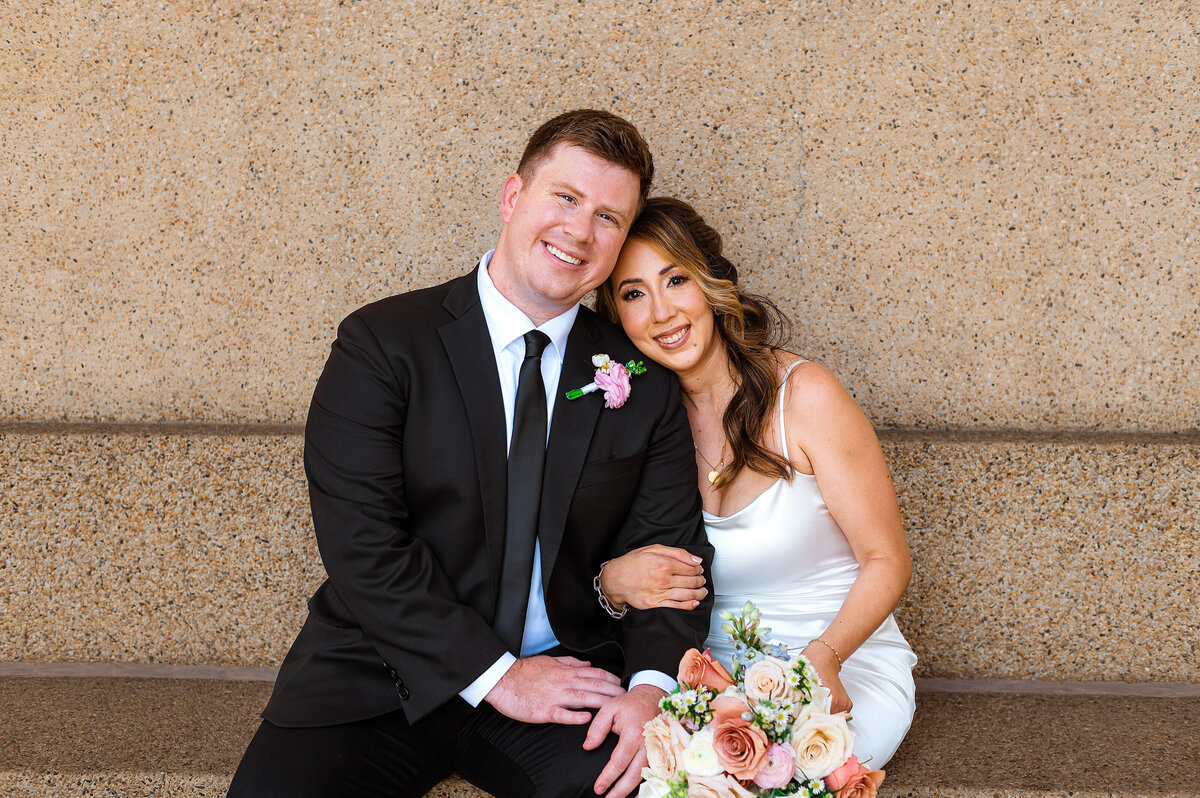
982	216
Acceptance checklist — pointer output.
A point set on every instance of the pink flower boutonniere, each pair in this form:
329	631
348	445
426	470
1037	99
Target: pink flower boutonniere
612	378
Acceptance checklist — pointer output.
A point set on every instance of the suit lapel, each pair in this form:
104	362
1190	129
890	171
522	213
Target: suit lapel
570	434
468	346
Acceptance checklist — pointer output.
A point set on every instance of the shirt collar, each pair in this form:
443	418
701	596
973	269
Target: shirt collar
507	323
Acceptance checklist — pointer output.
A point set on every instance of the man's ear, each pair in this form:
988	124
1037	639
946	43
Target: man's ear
508	195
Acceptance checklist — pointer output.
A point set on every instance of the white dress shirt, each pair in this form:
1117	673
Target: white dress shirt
507	326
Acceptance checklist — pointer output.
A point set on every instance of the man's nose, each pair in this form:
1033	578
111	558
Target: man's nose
579	227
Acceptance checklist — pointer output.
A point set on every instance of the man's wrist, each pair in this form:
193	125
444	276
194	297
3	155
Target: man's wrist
476	691
655	678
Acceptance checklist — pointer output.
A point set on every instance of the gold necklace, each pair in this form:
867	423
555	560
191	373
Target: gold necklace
716	470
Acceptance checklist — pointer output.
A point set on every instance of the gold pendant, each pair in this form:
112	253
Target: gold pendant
712	476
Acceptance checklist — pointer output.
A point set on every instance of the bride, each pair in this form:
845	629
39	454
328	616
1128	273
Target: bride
797	498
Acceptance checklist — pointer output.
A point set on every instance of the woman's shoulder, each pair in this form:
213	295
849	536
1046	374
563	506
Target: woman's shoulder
813	394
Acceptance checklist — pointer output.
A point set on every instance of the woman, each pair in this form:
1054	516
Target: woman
797	497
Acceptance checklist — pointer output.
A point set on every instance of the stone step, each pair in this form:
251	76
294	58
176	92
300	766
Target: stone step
1036	557
108	736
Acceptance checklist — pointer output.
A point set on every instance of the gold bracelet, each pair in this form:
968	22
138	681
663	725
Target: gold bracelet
831	648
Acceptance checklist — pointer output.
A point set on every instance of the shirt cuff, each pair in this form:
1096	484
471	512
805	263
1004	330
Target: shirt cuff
656	678
478	689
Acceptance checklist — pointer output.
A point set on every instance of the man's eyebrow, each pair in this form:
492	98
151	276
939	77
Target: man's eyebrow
661	272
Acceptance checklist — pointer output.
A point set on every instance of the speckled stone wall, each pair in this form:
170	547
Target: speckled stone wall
982	215
1046	560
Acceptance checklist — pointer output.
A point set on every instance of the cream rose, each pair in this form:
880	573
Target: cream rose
653	786
821	742
766	680
720	786
699	758
666	740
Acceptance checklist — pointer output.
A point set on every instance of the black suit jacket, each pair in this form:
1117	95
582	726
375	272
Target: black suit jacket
406	461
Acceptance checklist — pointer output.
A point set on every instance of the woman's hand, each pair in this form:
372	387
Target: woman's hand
828	669
654	576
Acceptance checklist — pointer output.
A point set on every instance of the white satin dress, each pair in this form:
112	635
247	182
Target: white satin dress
784	552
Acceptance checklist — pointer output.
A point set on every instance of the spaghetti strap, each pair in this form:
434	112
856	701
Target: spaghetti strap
782	394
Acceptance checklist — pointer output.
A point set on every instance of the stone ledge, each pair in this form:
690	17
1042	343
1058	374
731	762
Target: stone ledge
159	737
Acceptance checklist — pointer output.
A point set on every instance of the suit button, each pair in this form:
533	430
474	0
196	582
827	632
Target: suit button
403	691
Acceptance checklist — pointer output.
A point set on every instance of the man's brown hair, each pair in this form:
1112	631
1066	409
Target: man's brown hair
604	135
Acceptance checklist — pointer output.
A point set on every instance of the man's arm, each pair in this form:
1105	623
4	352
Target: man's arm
390	582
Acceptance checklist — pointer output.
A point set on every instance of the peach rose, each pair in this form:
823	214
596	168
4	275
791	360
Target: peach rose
777	768
666	740
852	780
740	746
719	786
701	670
728	705
766	680
821	742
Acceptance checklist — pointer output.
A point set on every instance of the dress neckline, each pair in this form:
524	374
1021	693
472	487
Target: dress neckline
754	501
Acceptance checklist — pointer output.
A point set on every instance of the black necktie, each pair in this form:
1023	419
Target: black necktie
526	461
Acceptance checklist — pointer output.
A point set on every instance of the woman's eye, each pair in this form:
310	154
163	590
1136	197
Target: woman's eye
677	279
632	293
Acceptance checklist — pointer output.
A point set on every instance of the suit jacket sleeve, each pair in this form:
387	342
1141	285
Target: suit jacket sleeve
387	579
666	510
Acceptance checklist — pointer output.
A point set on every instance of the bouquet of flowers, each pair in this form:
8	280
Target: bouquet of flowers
763	730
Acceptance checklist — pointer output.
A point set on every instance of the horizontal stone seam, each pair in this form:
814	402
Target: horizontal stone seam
887	435
134	670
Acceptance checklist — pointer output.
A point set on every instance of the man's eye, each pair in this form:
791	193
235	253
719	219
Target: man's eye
566	198
607	217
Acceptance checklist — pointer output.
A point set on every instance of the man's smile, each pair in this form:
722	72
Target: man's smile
564	257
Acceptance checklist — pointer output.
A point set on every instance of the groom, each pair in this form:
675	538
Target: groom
462	506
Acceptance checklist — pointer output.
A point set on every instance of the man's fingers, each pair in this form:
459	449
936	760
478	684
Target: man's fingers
631	777
572	661
599	728
618	763
569	717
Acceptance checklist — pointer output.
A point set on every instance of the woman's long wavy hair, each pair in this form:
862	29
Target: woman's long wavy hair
750	326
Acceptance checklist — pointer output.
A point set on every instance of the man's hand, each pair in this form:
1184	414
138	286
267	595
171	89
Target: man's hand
625	716
545	689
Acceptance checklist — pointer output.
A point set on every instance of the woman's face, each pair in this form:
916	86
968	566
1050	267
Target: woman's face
662	309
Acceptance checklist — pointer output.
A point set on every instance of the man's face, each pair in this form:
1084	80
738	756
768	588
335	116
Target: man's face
563	229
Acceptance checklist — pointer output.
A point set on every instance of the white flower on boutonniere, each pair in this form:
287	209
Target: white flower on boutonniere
612	378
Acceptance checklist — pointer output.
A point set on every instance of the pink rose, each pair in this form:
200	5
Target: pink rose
615	384
852	780
740	746
776	770
701	670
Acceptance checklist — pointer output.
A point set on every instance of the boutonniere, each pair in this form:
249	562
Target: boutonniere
612	378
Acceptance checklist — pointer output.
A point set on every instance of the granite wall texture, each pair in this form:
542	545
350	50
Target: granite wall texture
982	215
1046	560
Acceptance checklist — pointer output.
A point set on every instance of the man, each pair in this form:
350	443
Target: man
462	506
